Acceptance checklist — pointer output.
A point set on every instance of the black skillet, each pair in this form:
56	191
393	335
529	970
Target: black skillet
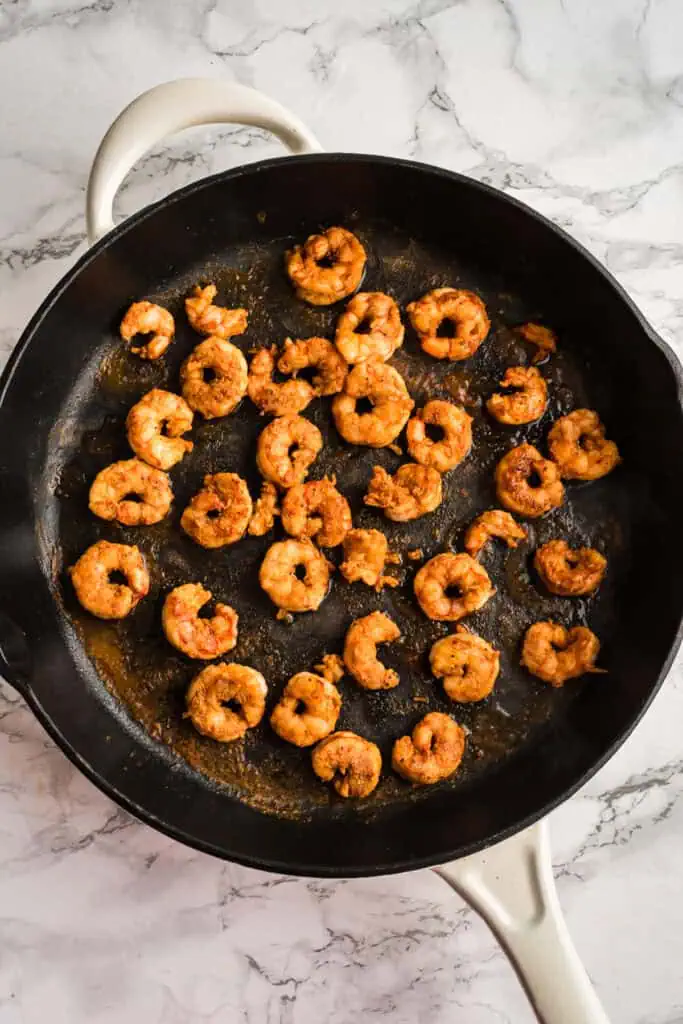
111	694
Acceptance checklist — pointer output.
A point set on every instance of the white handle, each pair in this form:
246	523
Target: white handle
169	108
511	885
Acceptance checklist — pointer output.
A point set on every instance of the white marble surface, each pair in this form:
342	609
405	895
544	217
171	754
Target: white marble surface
574	106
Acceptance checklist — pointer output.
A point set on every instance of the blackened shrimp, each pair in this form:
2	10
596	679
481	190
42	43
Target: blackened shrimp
195	637
208	319
307	711
132	493
286	449
412	491
569	572
327	267
369	328
525	402
219	513
527	483
451	323
451	448
148	318
466	663
555	654
351	763
155	425
225	700
494	523
448	587
360	651
316	509
432	752
92	579
385	389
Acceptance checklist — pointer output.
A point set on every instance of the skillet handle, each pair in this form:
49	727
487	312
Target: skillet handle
511	885
169	108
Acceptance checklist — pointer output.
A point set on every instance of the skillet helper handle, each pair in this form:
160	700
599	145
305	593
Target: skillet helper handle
169	108
511	885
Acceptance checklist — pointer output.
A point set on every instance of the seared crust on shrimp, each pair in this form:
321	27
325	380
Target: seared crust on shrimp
456	426
317	353
526	403
360	651
285	399
266	508
464	310
316	509
411	492
148	318
467	664
365	555
286	449
542	338
208	319
225	700
493	523
578	445
569	572
555	654
223	393
322	285
352	764
382	332
156	411
386	390
219	514
91	579
432	752
195	637
445	571
111	489
278	578
516	474
307	711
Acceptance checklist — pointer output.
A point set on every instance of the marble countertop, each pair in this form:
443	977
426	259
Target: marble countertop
575	108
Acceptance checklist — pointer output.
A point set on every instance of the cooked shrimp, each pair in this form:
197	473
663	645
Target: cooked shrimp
411	492
493	524
385	388
327	267
278	575
317	509
578	445
461	312
285	399
265	510
148	318
542	338
443	574
365	555
219	514
131	492
159	411
555	654
467	663
360	651
527	483
91	578
223	701
319	354
526	402
432	752
455	425
567	572
198	638
217	321
351	763
286	449
307	711
369	328
331	668
214	378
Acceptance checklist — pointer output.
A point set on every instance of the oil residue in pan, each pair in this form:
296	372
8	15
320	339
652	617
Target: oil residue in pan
150	677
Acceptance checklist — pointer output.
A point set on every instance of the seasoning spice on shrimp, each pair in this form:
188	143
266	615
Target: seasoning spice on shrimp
91	579
526	403
466	663
148	318
440	576
369	328
286	449
569	572
412	491
195	637
555	654
432	752
360	651
327	267
208	319
385	389
493	523
225	700
159	411
462	310
219	513
278	575
351	763
456	426
131	492
365	554
527	483
307	711
578	445
214	378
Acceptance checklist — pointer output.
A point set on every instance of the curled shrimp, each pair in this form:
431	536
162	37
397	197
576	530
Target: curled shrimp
526	402
148	318
266	508
319	354
159	411
467	664
307	711
91	578
206	318
219	513
455	425
360	651
461	311
285	399
411	492
385	388
286	449
327	267
569	572
214	378
369	328
578	445
432	752
195	637
114	491
542	338
494	523
527	483
352	764
316	509
223	701
365	555
555	654
278	576
448	572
